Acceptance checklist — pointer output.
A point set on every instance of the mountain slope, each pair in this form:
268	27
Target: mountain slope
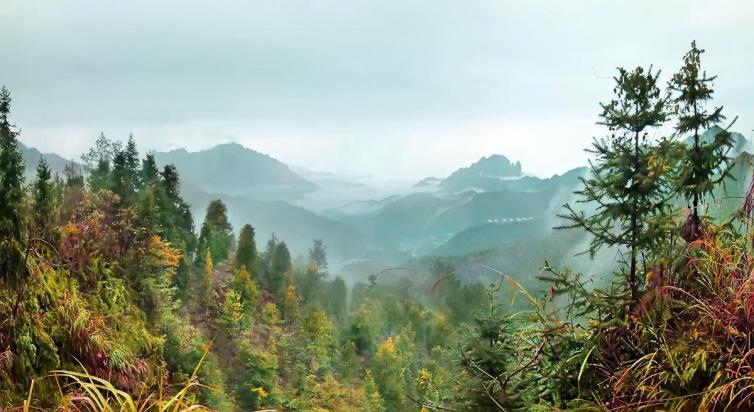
31	160
234	169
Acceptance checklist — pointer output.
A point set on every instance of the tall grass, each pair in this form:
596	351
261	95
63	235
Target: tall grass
83	391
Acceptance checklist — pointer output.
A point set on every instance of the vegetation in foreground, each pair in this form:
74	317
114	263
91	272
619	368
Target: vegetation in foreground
109	299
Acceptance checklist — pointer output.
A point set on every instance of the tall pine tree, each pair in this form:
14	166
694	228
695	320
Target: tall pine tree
629	182
11	192
217	231
246	253
706	163
43	201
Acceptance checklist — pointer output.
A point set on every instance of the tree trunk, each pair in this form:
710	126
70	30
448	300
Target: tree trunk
632	278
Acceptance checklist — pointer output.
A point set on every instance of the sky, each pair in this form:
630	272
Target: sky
387	90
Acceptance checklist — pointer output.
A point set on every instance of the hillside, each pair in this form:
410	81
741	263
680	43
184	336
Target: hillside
234	169
31	158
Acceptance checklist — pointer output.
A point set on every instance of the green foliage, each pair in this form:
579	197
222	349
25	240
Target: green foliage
705	163
43	202
11	193
488	355
246	252
629	183
318	257
335	298
109	289
216	231
280	270
255	386
245	287
232	313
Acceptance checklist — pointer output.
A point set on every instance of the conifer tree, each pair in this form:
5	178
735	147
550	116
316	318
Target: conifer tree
629	182
11	191
43	201
131	155
217	231
246	253
245	286
98	161
318	257
149	172
706	163
125	173
182	223
290	303
335	299
280	269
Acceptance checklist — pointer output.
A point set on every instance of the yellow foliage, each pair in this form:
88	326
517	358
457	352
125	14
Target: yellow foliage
162	250
386	347
261	392
208	266
423	376
71	229
290	294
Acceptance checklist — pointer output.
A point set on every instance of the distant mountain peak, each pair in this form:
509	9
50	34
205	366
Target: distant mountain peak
479	174
233	168
496	165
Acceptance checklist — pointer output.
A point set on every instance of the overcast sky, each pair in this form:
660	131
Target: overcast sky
388	89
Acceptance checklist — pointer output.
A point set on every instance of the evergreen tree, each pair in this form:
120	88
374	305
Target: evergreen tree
131	155
181	221
489	356
98	161
336	297
43	201
280	270
318	257
11	192
628	181
149	172
706	163
148	211
217	231
246	253
246	288
125	173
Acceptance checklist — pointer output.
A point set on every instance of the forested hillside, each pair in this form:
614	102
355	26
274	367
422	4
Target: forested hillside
114	295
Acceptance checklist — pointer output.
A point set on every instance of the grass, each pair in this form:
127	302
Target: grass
84	391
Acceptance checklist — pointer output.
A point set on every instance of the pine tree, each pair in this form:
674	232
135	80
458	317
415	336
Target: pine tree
290	303
706	163
280	270
43	201
132	163
182	222
335	300
126	173
489	354
148	211
217	231
11	192
318	257
246	253
149	172
98	161
628	182
245	286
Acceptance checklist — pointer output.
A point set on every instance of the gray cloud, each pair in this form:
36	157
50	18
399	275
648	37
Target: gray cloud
377	84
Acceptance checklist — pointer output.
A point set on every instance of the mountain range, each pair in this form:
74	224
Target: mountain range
489	212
